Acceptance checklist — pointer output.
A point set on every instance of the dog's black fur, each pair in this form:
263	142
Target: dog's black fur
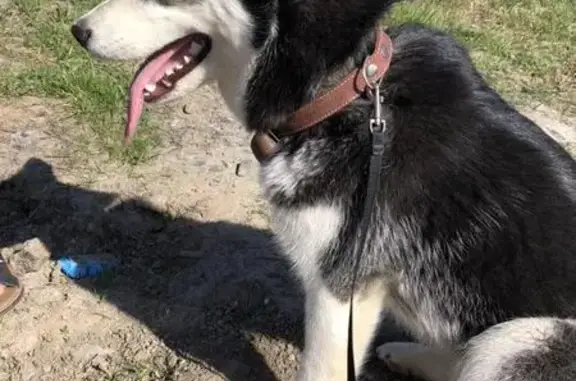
479	204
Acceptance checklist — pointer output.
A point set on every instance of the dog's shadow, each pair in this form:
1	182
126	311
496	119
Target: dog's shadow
203	288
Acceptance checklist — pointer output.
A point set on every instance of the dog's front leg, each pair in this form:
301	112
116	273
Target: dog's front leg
324	357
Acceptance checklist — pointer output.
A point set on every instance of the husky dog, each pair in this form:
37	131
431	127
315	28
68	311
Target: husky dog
472	244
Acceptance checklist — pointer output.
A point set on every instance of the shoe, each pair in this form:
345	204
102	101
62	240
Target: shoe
13	290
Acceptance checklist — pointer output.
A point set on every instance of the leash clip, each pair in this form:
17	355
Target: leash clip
377	123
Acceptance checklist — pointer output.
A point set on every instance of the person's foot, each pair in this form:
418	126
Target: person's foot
10	288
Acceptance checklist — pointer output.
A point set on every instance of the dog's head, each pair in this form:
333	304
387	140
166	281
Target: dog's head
267	56
182	43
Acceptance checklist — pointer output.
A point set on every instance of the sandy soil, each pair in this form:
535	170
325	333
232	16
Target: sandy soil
200	292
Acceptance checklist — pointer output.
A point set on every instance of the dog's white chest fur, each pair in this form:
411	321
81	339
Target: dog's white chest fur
305	233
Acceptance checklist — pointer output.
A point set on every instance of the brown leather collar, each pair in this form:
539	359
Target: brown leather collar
359	82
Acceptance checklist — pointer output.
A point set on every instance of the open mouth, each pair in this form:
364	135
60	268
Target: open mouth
158	75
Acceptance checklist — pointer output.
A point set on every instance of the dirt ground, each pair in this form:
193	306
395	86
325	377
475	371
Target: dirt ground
200	293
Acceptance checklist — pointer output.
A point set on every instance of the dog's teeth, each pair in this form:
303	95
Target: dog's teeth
187	59
169	72
166	83
147	94
195	48
178	66
150	87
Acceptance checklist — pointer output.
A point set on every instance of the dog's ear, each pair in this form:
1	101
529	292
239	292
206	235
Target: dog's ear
312	38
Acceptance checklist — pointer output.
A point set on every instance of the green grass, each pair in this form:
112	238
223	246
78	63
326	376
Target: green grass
525	48
56	67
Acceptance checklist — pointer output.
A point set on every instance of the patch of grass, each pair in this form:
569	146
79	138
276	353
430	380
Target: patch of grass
525	48
58	68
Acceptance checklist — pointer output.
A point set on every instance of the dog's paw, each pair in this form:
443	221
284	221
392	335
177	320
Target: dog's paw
399	356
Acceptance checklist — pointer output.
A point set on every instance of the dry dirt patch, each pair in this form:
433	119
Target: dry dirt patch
200	294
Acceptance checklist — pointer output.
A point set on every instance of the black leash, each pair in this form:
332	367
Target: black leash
377	129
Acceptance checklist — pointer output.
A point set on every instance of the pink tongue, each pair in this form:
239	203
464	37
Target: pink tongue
152	72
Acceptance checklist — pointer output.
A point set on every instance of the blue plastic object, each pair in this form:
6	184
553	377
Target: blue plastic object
86	266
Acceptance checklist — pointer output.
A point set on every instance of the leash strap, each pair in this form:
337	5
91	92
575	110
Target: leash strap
377	129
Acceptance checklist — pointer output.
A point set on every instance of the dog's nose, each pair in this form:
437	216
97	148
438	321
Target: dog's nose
81	34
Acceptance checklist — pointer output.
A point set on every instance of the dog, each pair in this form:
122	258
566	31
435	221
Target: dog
471	244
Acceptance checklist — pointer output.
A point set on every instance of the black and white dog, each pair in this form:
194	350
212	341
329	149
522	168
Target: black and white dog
472	243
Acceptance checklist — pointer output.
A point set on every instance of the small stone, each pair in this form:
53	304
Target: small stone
245	168
37	249
32	257
93	354
187	109
102	364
